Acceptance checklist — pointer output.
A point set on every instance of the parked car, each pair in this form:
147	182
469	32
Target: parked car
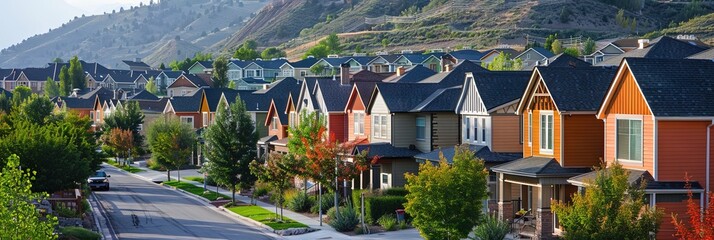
100	180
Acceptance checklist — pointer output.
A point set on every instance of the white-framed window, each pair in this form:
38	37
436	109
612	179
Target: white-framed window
386	180
475	124
467	128
629	139
358	123
303	73
288	72
530	128
250	73
205	119
187	120
420	128
274	123
483	130
293	119
546	132
380	126
258	73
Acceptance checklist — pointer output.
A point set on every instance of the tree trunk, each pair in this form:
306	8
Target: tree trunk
168	175
233	191
305	182
178	171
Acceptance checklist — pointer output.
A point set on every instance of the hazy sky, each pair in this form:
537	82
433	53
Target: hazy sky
25	18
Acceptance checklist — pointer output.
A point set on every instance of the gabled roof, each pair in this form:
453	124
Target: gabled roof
662	47
186	103
456	75
537	167
77	103
368	76
496	88
198	80
565	60
272	64
708	55
334	94
574	89
365	91
541	51
37	74
415	58
675	87
213	96
335	62
511	52
9	74
254	81
100	92
361	60
172	74
135	64
412	75
125	76
240	63
441	100
390	58
155	106
402	97
481	152
305	63
144	95
466	54
385	150
205	64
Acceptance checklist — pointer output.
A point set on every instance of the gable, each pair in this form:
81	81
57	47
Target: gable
611	49
182	81
378	105
530	55
204	103
471	101
272	112
355	103
402	61
507	109
624	97
540	98
253	66
378	60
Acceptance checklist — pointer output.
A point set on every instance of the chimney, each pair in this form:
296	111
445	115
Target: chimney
75	92
266	86
401	71
345	73
138	60
643	43
447	68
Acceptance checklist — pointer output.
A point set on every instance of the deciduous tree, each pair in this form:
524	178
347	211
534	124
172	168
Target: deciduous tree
127	117
76	73
276	173
247	51
151	86
220	72
588	47
557	47
503	62
171	143
272	52
700	224
121	141
51	88
65	81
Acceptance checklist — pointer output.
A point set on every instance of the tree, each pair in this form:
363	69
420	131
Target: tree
276	173
51	88
220	72
231	85
557	47
611	208
700	223
57	60
171	142
19	95
385	42
458	188
318	69
230	146
76	74
588	47
549	41
247	51
19	218
65	81
4	104
318	51
332	42
272	52
127	117
162	66
564	15
151	86
121	141
503	62
572	51
34	109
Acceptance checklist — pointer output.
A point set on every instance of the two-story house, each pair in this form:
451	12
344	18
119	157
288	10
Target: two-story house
187	109
562	139
201	67
533	57
298	70
165	78
382	63
188	84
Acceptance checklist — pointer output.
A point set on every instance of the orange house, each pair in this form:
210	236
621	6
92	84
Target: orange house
358	121
276	122
562	139
187	109
658	116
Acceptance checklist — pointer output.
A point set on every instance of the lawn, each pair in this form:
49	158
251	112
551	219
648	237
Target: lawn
264	216
188	187
194	178
127	168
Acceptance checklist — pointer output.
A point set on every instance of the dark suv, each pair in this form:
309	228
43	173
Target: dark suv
100	180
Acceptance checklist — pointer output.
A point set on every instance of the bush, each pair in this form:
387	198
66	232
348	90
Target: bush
66	212
78	233
378	206
491	229
300	202
395	192
327	202
347	221
153	165
388	222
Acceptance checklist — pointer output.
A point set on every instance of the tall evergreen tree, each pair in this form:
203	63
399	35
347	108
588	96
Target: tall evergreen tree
588	47
19	95
230	146
65	81
162	66
220	73
51	88
76	73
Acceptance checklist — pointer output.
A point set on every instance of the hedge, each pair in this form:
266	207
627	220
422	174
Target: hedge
395	192
378	205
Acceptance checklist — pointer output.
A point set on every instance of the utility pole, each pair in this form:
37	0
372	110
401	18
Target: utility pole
337	204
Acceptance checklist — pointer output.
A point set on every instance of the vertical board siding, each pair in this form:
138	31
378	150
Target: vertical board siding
647	144
445	130
681	150
627	98
400	167
403	129
545	103
505	135
584	136
337	126
356	104
472	102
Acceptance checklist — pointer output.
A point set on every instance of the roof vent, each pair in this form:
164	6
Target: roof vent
407	51
643	43
381	53
359	55
258	59
311	56
333	56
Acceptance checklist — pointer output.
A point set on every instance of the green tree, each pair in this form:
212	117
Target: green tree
51	88
162	66
127	117
276	173
302	137
588	47
230	146
445	200
385	42
19	219
549	41
57	60
318	69
231	85
557	47
65	81
35	109
572	51
503	62
317	51
151	86
332	42
171	142
247	51
611	208
272	52
5	104
220	72
20	94
76	74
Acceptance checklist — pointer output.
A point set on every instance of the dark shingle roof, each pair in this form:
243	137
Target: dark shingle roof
362	60
676	87
125	76
172	74
187	103
37	74
708	55
498	88
403	97
365	91
482	152
254	81
9	74
240	63
102	93
662	47
271	64
455	76
634	177
206	64
156	106
144	95
537	167
543	52
135	64
565	60
577	89
335	62
78	103
197	80
213	96
416	58
385	150
305	63
412	75
467	54
441	100
511	52
334	94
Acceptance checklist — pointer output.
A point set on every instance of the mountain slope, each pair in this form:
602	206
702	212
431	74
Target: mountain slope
137	32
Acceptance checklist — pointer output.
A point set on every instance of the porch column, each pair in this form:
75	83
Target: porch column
544	217
505	206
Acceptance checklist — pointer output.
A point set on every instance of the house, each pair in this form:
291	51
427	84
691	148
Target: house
125	80
201	67
431	61
298	70
186	108
490	55
81	106
327	97
9	77
410	75
144	95
564	60
236	69
152	110
326	67
267	71
604	53
137	65
358	121
358	63
95	72
658	116
188	84
459	56
382	63
34	78
165	78
533	57
277	120
707	54
661	47
562	139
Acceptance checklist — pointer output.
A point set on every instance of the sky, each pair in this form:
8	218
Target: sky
25	18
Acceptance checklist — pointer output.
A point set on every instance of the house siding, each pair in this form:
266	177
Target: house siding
647	143
681	150
403	130
401	167
356	105
584	135
337	126
627	98
380	107
505	134
261	129
541	103
445	130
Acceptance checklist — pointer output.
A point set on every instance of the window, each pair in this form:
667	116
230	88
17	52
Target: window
380	126
420	128
303	73
287	72
205	119
546	132
358	123
91	116
293	119
234	74
629	139
468	128
483	129
475	129
274	123
257	73
433	66
530	128
386	180
141	127
250	73
187	120
384	126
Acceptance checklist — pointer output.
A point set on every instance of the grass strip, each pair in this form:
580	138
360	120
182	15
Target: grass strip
127	168
194	178
188	187
264	216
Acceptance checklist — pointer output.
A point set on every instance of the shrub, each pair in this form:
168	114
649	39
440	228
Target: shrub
378	206
491	229
153	165
347	221
300	202
403	225
66	212
395	192
388	222
327	202
78	233
261	189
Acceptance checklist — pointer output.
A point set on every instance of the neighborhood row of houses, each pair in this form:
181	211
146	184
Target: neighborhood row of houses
540	132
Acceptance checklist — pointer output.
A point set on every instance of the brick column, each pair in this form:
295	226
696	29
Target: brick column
544	224
505	206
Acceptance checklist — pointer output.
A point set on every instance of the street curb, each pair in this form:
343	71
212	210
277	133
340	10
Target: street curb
96	212
256	223
185	192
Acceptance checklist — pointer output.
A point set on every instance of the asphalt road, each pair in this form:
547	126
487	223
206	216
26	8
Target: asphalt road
138	209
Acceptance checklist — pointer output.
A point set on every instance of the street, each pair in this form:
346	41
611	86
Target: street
138	209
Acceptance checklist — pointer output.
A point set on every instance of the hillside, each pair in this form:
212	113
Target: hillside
702	27
159	33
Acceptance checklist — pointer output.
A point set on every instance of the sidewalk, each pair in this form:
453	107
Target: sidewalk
326	232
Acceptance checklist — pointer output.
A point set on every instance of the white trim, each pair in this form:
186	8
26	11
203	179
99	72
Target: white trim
641	162
530	128
687	118
655	139
562	140
709	149
608	96
540	140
